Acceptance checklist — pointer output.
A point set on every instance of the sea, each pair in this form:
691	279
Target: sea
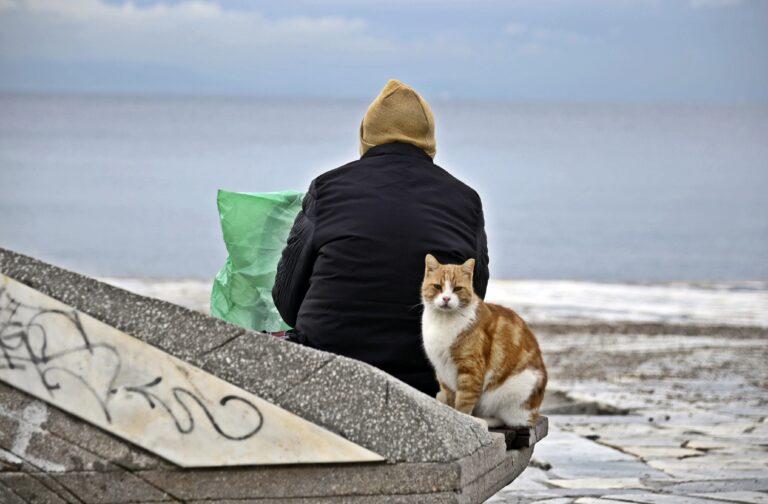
125	186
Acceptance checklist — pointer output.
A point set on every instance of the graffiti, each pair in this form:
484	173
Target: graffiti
29	340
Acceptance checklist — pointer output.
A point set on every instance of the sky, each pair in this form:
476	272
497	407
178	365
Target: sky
699	51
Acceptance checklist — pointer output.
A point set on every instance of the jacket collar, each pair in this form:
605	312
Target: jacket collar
397	148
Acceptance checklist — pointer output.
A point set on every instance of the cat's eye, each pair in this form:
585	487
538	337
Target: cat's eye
457	289
437	286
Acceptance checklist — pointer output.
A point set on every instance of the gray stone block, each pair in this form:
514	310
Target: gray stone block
68	440
433	453
110	487
330	389
7	496
444	498
36	488
254	361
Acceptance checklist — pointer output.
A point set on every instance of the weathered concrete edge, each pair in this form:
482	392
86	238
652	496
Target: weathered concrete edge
406	482
89	458
391	419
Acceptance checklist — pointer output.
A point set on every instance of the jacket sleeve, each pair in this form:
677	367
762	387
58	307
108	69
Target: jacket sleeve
481	257
295	267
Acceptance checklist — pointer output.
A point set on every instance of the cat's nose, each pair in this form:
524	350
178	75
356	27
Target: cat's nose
446	298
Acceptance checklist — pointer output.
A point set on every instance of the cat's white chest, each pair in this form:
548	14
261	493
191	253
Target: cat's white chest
439	331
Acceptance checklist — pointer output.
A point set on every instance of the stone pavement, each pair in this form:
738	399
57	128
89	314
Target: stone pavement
695	428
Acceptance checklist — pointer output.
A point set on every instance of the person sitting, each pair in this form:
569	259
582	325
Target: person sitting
349	278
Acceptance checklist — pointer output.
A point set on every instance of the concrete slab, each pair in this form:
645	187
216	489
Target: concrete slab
597	483
597	500
433	454
656	498
37	488
146	396
743	496
719	486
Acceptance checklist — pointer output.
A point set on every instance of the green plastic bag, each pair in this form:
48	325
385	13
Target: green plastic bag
255	228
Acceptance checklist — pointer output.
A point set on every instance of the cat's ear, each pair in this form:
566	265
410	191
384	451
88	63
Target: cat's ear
431	262
468	267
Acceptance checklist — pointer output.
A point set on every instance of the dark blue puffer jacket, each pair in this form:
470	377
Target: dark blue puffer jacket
349	279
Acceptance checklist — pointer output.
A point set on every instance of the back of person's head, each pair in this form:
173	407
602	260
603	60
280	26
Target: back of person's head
398	114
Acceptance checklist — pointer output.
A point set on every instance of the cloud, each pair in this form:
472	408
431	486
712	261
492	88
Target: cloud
698	4
515	29
585	50
188	33
537	39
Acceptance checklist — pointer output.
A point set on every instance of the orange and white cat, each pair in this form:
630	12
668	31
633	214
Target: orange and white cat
486	359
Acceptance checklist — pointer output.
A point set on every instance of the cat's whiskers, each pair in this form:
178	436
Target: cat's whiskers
486	359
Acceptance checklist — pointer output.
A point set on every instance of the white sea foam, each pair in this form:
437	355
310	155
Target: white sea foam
561	301
734	303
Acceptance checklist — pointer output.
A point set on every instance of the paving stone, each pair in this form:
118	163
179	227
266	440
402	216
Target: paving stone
612	421
704	444
110	488
689	416
9	461
706	467
98	446
755	411
597	483
530	480
526	486
533	473
717	486
661	440
597	500
574	493
590	425
37	489
566	448
445	498
731	430
36	441
655	498
732	446
744	496
597	469
654	452
520	497
8	496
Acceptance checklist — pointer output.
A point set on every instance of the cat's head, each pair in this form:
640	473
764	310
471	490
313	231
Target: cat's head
447	287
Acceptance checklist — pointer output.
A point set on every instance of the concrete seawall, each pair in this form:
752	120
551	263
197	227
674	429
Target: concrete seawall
433	454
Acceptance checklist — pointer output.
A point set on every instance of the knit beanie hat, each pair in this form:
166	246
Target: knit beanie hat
398	114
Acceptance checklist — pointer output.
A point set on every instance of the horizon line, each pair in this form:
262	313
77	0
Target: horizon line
358	99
